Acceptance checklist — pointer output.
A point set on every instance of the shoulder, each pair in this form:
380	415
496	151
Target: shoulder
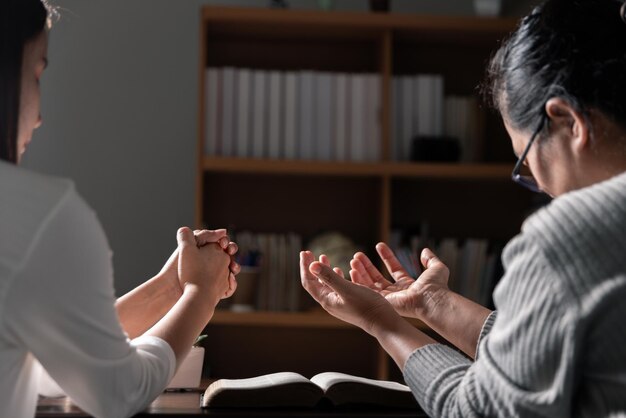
584	230
29	201
578	239
601	206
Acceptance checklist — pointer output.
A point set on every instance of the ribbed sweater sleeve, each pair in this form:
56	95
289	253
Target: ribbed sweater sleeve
555	347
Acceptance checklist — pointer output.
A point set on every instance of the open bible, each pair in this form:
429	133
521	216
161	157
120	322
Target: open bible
288	389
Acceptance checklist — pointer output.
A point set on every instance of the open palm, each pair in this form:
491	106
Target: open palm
407	295
347	301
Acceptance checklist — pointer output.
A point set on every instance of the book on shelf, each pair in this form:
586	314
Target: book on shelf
289	389
406	116
259	114
228	112
276	102
291	114
342	109
244	77
276	259
307	115
373	139
323	113
357	118
307	106
212	98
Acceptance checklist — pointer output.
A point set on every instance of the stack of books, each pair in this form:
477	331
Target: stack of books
303	115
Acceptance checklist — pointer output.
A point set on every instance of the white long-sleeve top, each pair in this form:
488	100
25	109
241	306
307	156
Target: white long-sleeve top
556	347
57	306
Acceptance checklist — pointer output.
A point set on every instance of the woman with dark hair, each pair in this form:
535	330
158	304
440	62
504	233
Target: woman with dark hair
61	329
555	345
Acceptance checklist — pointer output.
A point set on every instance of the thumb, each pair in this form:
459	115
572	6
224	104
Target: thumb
429	259
326	274
185	238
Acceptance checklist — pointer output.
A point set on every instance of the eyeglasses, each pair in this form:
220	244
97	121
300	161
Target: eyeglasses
527	181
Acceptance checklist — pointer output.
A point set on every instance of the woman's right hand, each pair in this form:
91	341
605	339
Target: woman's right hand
204	267
408	296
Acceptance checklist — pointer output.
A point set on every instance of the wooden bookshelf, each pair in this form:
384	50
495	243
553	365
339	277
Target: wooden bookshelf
362	200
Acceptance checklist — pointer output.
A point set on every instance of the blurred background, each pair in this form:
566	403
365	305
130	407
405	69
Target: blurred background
120	112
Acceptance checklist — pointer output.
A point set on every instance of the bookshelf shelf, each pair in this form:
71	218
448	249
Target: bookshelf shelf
363	200
285	20
496	172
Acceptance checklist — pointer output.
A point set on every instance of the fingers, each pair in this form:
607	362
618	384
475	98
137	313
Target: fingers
391	262
329	277
234	267
339	272
232	248
205	236
429	259
370	270
358	272
232	286
306	258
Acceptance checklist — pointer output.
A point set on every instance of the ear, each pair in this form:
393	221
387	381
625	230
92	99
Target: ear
567	121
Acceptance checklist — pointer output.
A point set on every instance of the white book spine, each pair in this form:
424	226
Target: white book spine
276	98
212	105
438	104
340	115
228	111
422	110
323	117
373	128
358	141
291	115
396	100
306	115
406	83
243	113
259	114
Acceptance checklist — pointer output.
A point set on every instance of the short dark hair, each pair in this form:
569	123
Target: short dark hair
20	21
571	49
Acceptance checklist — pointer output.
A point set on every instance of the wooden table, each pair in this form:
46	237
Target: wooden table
187	404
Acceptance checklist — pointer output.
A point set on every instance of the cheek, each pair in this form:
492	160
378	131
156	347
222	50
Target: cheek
29	108
547	172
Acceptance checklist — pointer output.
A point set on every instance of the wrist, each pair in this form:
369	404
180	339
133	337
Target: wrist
201	298
433	298
383	323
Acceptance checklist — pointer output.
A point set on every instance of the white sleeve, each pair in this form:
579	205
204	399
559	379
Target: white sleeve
63	304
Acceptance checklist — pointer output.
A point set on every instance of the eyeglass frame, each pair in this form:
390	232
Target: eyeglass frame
528	182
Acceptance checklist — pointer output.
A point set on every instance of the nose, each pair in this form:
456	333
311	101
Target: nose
39	121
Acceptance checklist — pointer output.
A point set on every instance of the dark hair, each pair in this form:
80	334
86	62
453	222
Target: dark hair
20	21
571	49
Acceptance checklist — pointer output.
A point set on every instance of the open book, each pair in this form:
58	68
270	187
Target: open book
288	389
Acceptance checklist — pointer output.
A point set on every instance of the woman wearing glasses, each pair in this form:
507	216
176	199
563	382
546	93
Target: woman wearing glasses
556	345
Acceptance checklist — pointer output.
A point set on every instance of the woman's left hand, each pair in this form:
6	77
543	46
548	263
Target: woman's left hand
350	302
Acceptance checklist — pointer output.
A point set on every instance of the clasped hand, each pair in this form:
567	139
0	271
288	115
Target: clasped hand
208	261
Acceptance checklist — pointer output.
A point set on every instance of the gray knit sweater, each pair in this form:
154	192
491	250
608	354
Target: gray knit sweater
557	345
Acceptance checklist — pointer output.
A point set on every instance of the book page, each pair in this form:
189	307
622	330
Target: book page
345	389
271	390
328	379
